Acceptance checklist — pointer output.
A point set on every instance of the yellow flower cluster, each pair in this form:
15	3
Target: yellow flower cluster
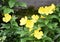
29	23
38	33
6	18
47	9
35	18
23	20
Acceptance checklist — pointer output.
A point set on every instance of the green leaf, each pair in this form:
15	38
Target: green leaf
7	26
59	19
22	4
46	22
0	5
55	25
13	21
48	39
8	10
58	30
27	39
11	3
52	25
23	40
56	36
52	16
59	14
23	33
13	18
4	37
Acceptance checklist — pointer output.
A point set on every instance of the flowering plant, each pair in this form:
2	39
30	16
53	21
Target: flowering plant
41	27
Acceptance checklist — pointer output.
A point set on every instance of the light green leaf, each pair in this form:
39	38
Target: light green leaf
22	4
13	18
0	5
8	10
23	33
46	22
7	26
58	30
50	26
13	21
59	19
11	3
23	40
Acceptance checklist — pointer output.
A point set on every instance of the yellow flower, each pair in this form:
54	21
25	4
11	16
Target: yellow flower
52	6
23	20
35	18
41	10
6	18
29	24
38	34
47	9
39	29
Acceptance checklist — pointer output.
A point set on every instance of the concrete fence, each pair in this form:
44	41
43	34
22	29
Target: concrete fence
37	3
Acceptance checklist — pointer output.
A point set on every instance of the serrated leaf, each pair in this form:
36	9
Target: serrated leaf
11	3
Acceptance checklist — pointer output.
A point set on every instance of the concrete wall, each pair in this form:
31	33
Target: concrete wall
37	3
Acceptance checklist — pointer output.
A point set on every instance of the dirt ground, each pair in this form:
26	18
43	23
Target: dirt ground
37	3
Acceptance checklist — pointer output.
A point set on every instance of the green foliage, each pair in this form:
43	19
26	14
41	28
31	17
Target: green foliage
14	32
11	3
8	6
22	4
8	10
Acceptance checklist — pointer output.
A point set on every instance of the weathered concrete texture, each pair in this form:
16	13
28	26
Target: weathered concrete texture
37	3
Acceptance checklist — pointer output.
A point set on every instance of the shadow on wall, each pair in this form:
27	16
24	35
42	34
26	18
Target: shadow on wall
37	3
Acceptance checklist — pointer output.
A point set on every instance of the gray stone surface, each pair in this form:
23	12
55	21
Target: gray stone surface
37	3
